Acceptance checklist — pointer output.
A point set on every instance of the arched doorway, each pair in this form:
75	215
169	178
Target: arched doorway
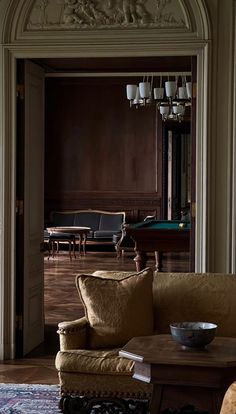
32	31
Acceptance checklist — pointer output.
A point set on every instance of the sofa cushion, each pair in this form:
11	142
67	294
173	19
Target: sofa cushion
207	297
62	218
103	234
93	362
117	310
88	219
112	222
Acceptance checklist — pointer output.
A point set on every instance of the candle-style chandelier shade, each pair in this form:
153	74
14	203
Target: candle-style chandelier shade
170	94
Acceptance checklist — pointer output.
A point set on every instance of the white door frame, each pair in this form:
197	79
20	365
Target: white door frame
9	161
17	42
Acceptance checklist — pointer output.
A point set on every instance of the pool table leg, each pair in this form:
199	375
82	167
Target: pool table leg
158	258
140	260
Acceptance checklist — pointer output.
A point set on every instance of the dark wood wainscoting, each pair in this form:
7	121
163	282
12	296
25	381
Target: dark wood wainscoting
136	206
99	152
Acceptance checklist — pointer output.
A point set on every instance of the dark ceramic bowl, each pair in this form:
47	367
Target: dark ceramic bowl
193	334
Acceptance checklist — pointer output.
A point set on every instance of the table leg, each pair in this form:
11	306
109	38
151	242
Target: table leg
74	248
156	399
140	260
84	242
49	248
80	242
158	258
70	250
217	399
53	248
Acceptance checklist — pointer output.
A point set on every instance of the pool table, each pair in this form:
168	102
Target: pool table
158	236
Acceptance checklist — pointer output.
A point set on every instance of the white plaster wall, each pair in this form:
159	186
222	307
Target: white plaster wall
220	139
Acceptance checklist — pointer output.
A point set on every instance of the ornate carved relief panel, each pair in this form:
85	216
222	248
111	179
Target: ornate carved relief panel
100	14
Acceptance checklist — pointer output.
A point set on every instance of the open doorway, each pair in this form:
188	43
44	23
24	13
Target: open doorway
136	170
177	171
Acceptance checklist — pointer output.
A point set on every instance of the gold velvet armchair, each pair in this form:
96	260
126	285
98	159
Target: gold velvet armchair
90	370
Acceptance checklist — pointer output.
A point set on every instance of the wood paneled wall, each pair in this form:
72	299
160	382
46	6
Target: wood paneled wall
99	153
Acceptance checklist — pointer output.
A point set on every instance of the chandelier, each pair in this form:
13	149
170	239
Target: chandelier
171	97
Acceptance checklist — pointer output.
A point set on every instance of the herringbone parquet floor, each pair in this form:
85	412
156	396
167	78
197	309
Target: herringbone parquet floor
62	303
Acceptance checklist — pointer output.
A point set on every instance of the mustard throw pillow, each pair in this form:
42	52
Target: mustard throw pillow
117	310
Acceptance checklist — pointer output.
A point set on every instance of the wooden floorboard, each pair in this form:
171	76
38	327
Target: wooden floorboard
62	303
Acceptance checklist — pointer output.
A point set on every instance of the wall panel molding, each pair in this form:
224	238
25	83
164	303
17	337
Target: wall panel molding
136	205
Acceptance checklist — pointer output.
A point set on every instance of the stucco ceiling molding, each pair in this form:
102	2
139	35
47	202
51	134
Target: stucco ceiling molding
109	21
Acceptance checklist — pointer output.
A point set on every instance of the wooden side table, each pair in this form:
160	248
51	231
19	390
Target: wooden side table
180	375
70	230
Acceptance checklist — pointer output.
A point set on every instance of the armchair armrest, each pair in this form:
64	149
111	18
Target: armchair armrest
73	334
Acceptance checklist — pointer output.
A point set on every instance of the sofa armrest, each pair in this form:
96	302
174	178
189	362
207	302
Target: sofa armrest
73	334
229	401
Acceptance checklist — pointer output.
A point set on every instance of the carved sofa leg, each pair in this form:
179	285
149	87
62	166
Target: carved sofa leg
101	405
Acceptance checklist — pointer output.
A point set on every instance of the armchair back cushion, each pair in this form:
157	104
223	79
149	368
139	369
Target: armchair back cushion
117	310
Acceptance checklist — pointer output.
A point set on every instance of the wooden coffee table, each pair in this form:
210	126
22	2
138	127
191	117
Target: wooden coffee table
81	231
180	375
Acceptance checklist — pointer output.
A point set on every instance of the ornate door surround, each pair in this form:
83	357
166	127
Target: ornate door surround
72	28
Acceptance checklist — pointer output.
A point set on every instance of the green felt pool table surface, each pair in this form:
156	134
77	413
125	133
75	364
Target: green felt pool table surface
163	224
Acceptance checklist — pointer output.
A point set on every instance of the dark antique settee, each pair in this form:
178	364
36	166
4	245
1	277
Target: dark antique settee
104	225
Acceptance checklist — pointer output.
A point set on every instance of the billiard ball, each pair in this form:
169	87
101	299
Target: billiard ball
182	225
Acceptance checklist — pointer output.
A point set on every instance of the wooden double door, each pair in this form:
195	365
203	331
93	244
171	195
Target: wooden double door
177	171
